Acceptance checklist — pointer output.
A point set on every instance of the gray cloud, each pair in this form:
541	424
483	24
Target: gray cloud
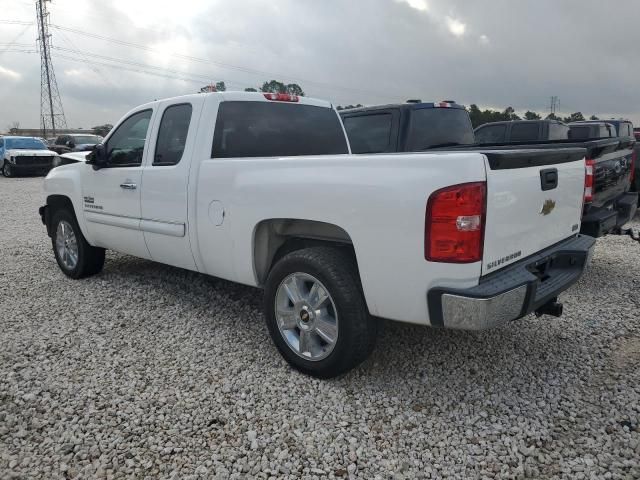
494	53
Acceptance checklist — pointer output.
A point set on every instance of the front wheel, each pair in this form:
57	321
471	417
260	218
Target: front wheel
75	257
316	312
6	169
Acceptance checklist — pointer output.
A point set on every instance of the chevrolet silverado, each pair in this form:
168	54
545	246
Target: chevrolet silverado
262	189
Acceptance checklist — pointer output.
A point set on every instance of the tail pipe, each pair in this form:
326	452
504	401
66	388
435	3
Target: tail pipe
552	307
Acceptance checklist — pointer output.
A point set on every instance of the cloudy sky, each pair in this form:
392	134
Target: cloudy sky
112	55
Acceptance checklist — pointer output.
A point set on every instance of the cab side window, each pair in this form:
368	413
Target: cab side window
172	135
491	134
126	146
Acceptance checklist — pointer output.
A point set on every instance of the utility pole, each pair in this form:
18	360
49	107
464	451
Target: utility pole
555	104
51	112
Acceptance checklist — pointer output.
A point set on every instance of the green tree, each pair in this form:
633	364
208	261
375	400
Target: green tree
348	107
214	87
552	116
295	89
250	89
593	117
529	115
574	117
510	114
102	130
274	86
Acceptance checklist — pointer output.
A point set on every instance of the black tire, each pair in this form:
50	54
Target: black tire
90	259
6	169
336	269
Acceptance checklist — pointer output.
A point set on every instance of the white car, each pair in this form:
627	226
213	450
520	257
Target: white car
262	189
25	155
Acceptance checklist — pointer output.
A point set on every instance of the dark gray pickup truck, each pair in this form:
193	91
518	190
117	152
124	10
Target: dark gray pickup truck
609	202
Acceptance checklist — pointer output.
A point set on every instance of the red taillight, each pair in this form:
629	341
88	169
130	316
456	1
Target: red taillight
454	224
281	97
589	166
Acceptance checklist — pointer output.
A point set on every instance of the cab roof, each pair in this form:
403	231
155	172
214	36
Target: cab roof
404	106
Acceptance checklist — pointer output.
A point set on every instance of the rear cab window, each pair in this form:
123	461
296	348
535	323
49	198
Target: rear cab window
582	132
558	131
434	127
525	132
276	129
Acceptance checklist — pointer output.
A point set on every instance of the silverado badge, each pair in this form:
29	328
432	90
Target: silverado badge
547	206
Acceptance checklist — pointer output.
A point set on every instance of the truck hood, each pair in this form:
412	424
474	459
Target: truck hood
30	153
76	156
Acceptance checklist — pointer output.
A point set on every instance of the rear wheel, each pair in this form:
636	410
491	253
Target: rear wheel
316	313
6	169
75	257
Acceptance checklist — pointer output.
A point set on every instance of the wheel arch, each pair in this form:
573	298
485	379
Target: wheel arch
54	203
273	238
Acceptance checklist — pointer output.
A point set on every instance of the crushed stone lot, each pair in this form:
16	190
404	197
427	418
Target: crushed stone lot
150	371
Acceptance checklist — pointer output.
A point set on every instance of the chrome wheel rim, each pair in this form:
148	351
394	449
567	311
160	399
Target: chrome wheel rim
306	316
66	245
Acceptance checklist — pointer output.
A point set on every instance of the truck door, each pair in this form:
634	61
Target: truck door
165	180
111	195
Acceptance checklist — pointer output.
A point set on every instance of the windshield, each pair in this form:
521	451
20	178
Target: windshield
83	139
432	127
24	144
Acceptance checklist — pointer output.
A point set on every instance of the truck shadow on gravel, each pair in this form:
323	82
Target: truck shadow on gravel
525	352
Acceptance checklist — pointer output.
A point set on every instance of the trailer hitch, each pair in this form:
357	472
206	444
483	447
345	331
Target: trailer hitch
635	235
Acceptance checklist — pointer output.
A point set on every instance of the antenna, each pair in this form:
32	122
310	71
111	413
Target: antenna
51	112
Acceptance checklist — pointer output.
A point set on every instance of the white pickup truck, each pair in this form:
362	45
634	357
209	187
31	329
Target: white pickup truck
262	189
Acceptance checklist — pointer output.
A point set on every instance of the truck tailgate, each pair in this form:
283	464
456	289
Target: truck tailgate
534	200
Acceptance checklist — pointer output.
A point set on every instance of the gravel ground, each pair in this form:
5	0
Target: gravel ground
151	371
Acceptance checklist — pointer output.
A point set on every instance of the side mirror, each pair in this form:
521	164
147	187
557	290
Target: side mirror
98	157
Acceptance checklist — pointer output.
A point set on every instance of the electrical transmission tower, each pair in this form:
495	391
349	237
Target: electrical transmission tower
51	112
555	104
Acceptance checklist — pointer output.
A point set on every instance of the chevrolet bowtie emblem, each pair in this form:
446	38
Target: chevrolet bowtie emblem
547	206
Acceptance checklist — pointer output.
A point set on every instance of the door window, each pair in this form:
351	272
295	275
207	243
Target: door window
126	146
172	135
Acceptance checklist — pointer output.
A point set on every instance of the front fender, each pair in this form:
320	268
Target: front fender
66	181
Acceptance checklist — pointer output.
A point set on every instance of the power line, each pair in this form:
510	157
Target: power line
15	22
191	58
13	42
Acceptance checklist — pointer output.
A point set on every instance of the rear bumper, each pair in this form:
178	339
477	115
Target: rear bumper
598	223
514	291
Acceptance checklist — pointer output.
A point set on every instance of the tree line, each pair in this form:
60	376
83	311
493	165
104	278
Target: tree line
272	86
480	117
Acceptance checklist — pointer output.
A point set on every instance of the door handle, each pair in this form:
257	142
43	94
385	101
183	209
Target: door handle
128	186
